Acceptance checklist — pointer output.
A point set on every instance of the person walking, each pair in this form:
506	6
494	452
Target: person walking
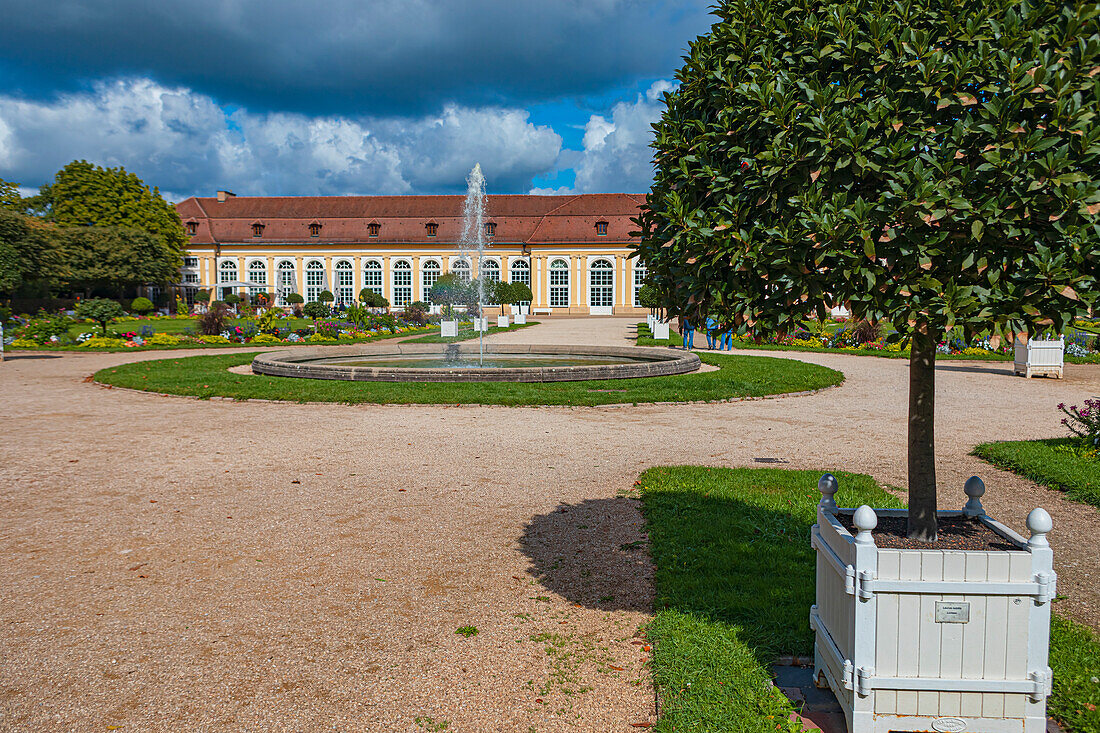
711	326
688	331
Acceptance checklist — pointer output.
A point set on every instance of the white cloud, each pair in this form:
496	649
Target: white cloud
186	143
617	156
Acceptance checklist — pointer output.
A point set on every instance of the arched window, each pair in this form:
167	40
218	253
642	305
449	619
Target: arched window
520	273
286	283
227	273
257	274
639	280
345	283
372	276
429	273
601	284
315	280
461	269
402	284
559	284
490	270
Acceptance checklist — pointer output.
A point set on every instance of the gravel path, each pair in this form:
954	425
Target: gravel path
172	564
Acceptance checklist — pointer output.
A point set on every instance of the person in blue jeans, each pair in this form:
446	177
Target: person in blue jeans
727	339
711	327
689	335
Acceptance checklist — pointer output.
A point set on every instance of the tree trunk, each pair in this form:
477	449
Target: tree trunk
922	443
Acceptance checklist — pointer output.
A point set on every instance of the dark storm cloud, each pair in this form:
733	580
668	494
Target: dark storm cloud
380	57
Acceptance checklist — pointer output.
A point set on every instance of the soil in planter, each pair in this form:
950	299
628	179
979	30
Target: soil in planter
955	533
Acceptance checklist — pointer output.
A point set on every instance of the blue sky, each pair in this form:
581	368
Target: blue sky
280	97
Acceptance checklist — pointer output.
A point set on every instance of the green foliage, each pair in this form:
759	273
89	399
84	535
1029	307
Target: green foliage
141	305
232	299
30	251
83	194
326	297
267	321
924	162
466	631
521	293
1075	661
648	297
295	299
181	307
114	258
44	326
448	291
316	309
100	310
10	200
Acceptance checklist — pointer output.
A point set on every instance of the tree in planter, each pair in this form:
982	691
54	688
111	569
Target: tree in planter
326	297
519	292
141	306
295	300
448	291
316	309
934	166
100	310
648	297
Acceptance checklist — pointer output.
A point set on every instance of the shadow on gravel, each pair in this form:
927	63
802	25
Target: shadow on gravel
993	368
593	553
13	357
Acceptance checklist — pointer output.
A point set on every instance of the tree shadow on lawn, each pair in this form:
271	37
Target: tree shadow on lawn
731	564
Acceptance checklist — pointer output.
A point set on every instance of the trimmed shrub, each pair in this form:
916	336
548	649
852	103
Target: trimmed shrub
141	306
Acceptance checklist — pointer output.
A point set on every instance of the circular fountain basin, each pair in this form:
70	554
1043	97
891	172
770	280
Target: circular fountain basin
460	363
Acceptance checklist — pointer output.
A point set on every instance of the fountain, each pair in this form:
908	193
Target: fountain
473	241
411	362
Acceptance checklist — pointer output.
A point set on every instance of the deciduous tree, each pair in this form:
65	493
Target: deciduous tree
932	163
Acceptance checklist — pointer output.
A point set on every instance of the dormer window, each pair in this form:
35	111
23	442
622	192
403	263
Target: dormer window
314	229
373	228
601	228
257	229
432	228
490	229
192	228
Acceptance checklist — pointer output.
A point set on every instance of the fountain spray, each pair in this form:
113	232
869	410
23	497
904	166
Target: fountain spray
473	241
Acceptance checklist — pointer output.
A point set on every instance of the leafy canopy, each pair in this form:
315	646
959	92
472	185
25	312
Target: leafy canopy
100	310
933	163
30	251
117	257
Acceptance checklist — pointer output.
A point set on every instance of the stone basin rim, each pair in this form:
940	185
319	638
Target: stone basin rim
652	362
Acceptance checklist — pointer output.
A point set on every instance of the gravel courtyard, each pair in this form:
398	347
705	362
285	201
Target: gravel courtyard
175	564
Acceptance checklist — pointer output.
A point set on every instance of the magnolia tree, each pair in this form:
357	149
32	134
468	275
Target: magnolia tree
934	164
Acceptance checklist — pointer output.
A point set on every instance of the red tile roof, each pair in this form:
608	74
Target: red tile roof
519	218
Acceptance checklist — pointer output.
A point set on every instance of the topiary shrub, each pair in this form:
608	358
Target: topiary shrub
141	306
326	297
316	309
100	310
232	299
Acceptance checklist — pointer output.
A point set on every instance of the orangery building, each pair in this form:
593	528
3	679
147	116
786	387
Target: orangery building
571	250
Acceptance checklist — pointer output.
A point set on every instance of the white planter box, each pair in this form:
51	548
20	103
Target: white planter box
502	321
649	321
941	640
521	310
520	319
1040	357
481	324
448	329
659	329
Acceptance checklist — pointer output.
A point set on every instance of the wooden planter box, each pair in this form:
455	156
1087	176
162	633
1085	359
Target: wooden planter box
448	329
941	640
1040	357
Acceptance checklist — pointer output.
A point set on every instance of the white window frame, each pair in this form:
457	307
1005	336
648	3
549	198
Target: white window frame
284	285
462	269
343	280
430	270
372	269
559	286
227	272
602	290
640	272
253	271
402	287
315	280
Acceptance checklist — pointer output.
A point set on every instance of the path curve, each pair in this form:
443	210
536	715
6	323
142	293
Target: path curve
219	565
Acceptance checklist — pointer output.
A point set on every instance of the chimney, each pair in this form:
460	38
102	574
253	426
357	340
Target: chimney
223	195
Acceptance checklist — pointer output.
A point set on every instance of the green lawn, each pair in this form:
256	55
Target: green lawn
1060	463
466	334
734	585
645	338
739	376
